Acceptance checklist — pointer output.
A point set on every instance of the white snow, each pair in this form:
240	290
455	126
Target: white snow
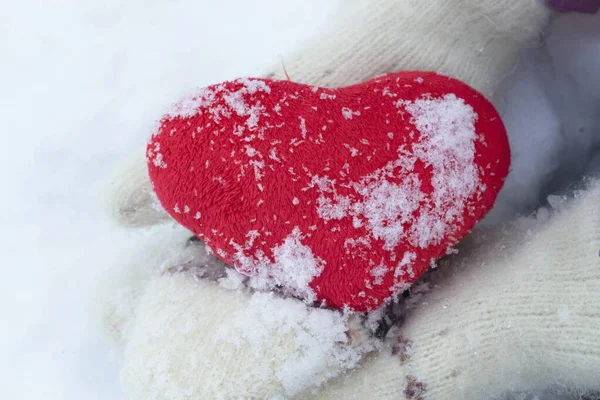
317	341
293	269
303	127
82	83
206	97
446	129
327	96
156	156
349	114
233	280
378	273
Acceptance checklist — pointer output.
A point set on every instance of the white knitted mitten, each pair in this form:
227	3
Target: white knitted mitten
129	197
118	296
190	338
476	41
517	311
193	338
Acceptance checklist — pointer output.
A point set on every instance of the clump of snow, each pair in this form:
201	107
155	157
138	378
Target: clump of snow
188	106
349	114
557	202
294	267
327	96
336	208
303	127
407	260
233	280
305	346
353	151
447	128
446	144
154	156
209	98
388	207
296	264
378	273
236	102
254	85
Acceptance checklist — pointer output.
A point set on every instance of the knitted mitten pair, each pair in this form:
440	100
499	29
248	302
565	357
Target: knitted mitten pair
515	310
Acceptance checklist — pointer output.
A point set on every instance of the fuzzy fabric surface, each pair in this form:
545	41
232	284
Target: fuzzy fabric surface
342	197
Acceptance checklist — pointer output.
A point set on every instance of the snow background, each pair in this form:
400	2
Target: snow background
81	85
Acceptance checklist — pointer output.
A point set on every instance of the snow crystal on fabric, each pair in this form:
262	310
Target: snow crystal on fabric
446	145
348	113
316	341
294	266
154	156
206	97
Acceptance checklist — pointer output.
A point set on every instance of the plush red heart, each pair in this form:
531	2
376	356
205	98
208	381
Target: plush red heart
343	196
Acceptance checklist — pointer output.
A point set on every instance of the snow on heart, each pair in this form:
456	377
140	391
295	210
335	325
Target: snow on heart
294	266
341	196
447	134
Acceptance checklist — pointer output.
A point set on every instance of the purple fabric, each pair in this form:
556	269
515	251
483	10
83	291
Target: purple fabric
582	6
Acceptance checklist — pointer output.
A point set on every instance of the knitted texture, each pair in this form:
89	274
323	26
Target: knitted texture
119	292
187	328
474	41
129	196
194	339
517	310
340	196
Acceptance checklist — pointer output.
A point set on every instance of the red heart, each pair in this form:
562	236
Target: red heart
344	196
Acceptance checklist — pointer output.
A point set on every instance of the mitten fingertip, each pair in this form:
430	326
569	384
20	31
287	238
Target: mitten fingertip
129	197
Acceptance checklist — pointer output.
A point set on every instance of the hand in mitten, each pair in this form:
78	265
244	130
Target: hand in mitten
129	197
197	333
516	311
476	42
